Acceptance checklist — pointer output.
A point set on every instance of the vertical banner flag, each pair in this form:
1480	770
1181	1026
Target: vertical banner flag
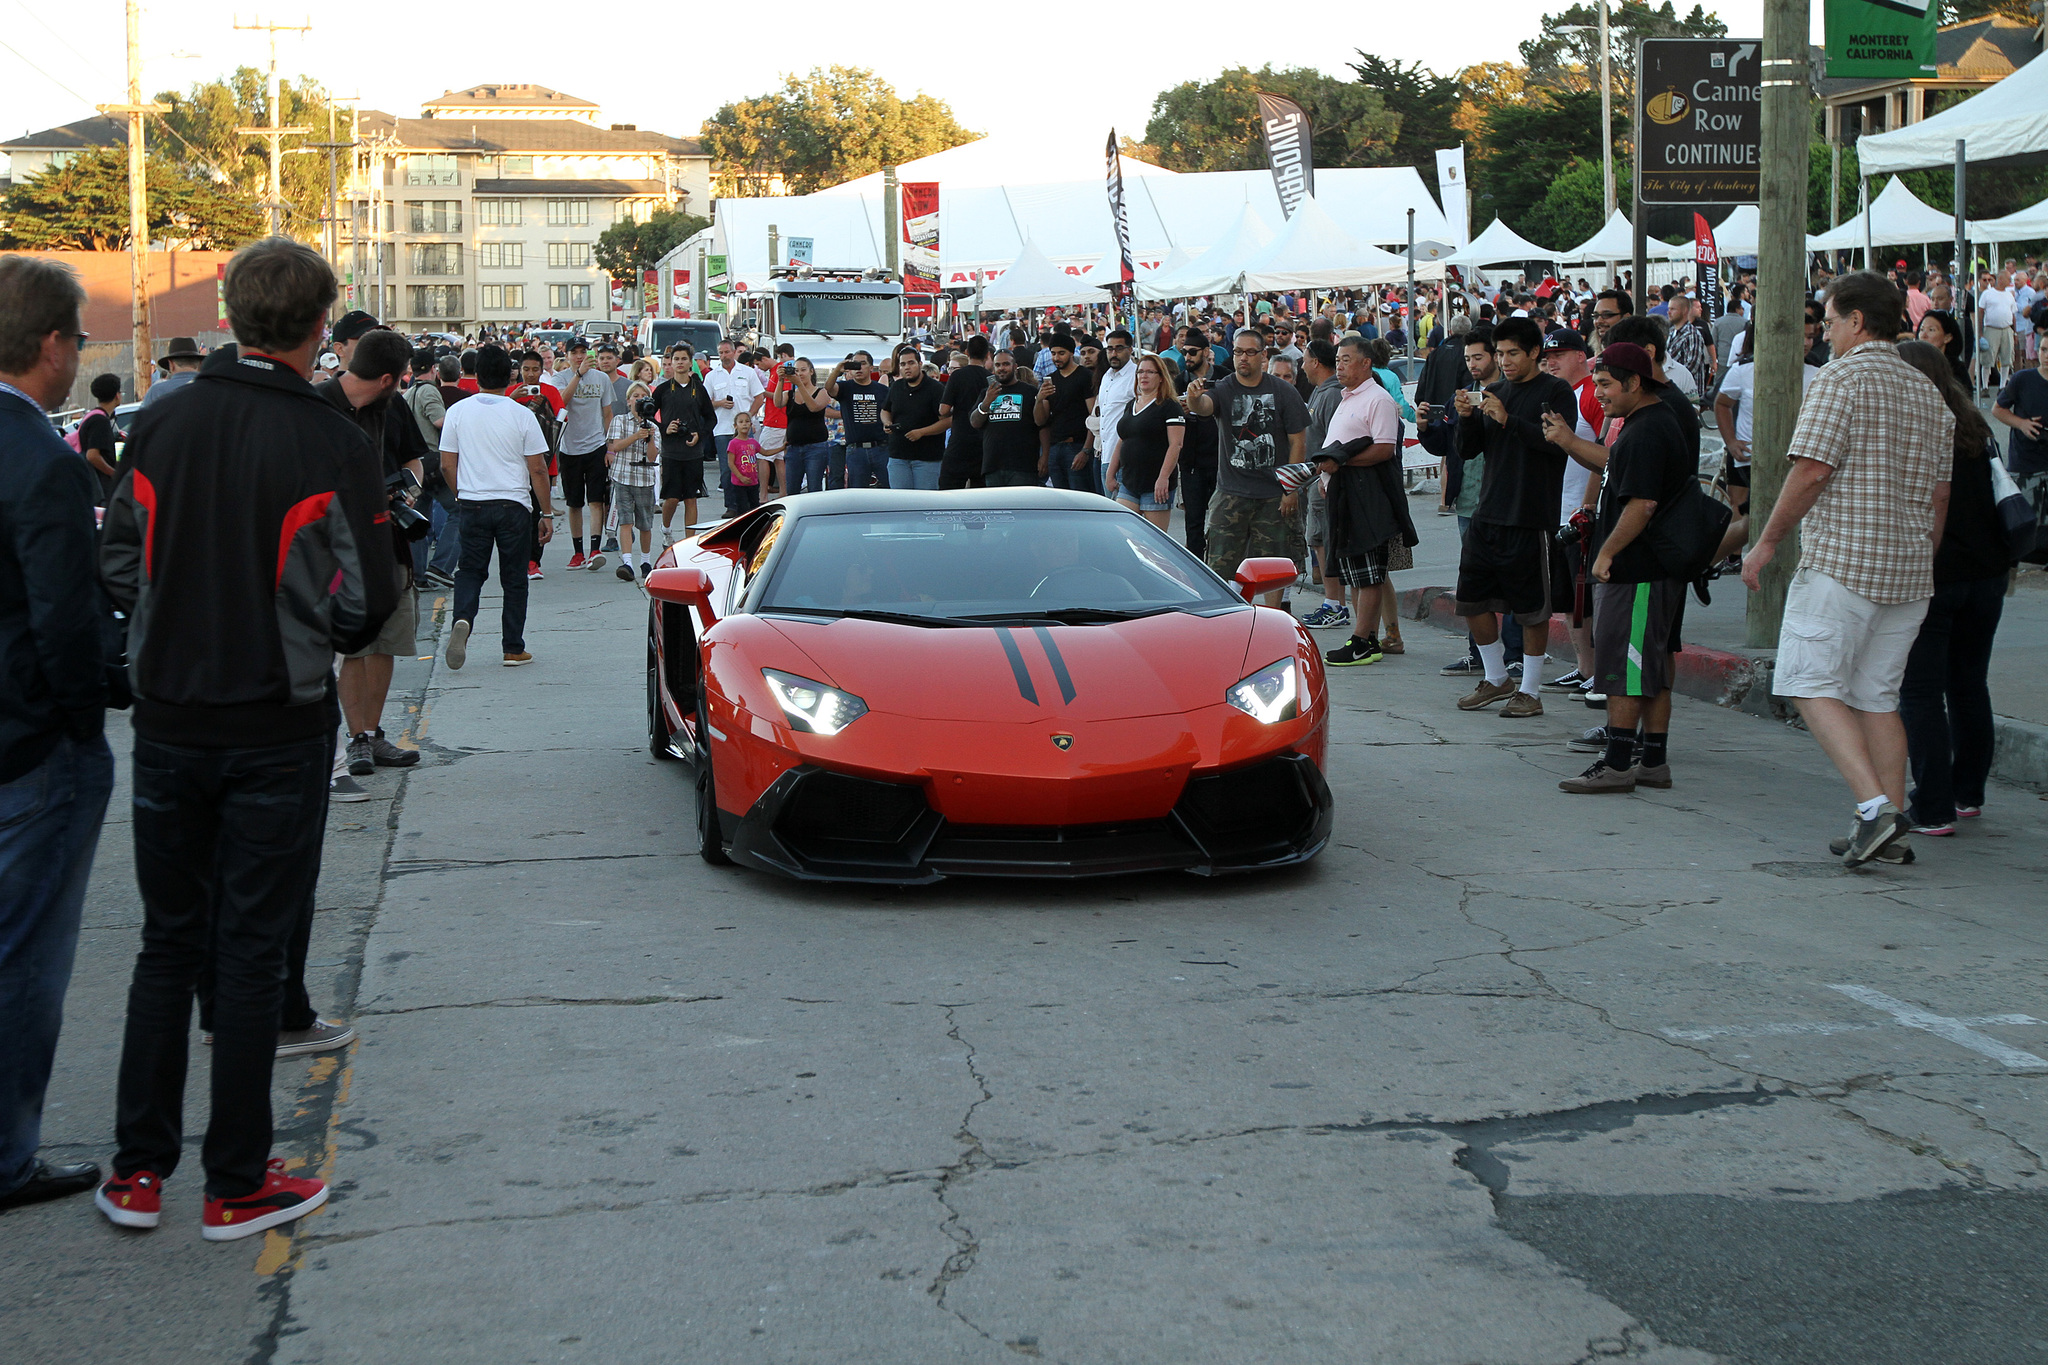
1126	272
1707	264
1450	189
717	284
1287	131
1883	39
920	219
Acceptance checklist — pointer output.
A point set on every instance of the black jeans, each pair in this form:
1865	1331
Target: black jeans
505	524
1945	700
1197	486
227	853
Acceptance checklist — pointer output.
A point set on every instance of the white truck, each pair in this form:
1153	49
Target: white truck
828	314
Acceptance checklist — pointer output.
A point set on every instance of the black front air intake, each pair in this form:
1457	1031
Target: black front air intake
1259	813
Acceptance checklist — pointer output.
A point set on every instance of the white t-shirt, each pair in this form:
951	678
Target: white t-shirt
1740	385
1682	377
1573	495
740	384
1998	306
2023	297
491	436
1114	394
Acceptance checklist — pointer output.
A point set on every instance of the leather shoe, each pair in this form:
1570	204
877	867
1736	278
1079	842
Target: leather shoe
52	1182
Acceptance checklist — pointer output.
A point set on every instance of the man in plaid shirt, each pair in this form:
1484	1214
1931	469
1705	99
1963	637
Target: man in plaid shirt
1870	473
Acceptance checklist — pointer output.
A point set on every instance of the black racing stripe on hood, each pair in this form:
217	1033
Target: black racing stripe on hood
1059	665
1024	687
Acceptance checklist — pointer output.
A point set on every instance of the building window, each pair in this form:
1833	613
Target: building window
504	298
434	300
501	255
434	169
433	215
499	212
435	258
362	218
566	255
634	210
516	167
568	213
573	298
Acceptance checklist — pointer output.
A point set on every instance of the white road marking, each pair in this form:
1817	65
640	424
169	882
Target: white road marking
1953	1030
1701	1035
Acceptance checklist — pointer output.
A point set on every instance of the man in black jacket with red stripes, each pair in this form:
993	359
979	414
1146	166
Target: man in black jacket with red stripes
248	541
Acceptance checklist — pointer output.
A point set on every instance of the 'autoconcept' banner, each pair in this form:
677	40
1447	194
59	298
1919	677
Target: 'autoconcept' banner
1126	271
1707	265
921	237
1287	131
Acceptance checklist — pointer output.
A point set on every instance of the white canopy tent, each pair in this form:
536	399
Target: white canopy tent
1218	269
1500	245
1033	281
1897	217
1616	241
2023	226
1736	234
2006	125
1313	252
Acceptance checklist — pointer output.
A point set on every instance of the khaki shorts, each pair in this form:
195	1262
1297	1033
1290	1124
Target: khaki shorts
772	439
397	635
1998	347
1839	644
1241	528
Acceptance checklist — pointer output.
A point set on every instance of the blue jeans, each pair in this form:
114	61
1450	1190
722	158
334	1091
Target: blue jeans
505	525
447	538
1060	471
914	474
867	466
719	443
806	466
49	829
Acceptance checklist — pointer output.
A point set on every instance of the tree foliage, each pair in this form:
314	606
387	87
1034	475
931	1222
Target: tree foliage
1425	103
1571	61
204	119
1484	88
83	206
1213	125
1525	145
833	125
626	249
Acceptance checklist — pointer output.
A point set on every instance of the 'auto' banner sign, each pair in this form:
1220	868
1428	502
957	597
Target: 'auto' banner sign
1706	259
1699	107
921	237
1288	131
1881	39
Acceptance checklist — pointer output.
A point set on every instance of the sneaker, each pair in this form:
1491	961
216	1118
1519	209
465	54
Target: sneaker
1935	831
1354	651
389	755
280	1199
1486	694
1658	777
322	1037
1465	667
1593	741
1521	706
533	569
1595	700
1867	838
345	788
624	573
645	569
1968	812
596	561
1897	851
611	546
1569	682
1515	671
514	660
576	560
434	578
131	1201
1327	615
360	763
458	642
1600	780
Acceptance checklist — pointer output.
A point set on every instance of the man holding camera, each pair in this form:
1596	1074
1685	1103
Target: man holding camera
859	393
365	393
684	413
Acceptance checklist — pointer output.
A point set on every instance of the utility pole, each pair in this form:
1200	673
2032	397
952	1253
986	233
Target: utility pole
138	203
1781	297
275	134
331	236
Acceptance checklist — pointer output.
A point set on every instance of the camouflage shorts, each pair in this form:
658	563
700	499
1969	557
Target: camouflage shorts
1241	528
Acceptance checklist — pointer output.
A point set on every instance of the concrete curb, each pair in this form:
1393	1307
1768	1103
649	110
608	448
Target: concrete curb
1741	681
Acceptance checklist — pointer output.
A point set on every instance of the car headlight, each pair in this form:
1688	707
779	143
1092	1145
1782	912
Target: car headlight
812	706
1271	695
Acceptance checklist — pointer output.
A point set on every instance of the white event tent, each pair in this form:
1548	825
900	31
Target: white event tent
1033	281
1500	245
1736	234
1313	252
2023	226
2005	125
1897	217
1216	270
1616	241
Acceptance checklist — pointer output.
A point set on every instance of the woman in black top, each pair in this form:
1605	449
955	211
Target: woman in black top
1940	330
808	450
1945	698
1146	449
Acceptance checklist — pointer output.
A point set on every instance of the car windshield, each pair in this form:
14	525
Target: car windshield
869	314
968	566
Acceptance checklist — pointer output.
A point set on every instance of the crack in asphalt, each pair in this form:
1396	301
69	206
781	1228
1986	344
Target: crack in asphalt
413	866
521	1002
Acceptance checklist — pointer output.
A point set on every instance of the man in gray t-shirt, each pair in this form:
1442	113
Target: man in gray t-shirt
1261	424
586	421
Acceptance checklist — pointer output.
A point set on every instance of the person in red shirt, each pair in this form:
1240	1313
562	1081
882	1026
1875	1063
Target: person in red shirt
773	434
544	401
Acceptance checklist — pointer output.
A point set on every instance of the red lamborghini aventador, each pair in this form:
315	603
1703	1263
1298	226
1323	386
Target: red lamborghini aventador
902	686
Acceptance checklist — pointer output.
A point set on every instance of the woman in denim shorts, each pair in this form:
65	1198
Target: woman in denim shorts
1143	460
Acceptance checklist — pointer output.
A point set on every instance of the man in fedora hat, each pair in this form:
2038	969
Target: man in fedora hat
180	366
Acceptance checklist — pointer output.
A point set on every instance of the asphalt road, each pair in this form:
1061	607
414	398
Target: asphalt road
1505	1077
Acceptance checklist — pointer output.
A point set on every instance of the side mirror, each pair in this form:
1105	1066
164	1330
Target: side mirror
1253	577
685	588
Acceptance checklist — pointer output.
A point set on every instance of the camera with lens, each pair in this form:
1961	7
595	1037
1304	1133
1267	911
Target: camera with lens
1576	528
647	409
401	488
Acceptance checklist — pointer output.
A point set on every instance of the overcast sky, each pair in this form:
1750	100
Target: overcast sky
994	67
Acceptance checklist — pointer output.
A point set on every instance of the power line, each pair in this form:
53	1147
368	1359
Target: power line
20	5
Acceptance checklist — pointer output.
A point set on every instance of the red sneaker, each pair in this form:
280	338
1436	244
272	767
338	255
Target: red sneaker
281	1199
576	560
533	570
131	1201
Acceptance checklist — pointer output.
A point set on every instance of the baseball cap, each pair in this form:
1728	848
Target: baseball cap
352	325
579	343
1629	357
1564	339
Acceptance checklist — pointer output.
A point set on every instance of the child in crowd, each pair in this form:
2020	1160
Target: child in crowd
636	460
741	454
